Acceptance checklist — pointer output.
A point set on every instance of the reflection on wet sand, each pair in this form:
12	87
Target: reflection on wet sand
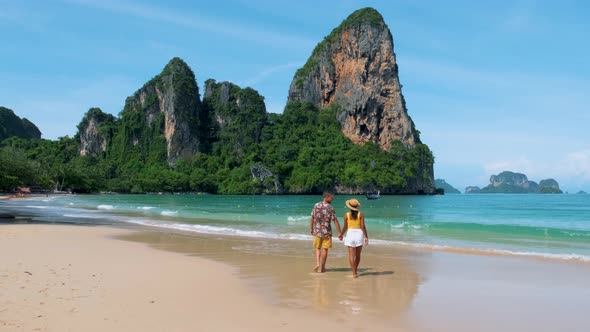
280	270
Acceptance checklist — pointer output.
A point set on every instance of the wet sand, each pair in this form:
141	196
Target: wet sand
80	278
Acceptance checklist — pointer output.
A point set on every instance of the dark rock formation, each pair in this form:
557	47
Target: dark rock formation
549	186
95	132
448	189
355	68
269	183
12	125
169	105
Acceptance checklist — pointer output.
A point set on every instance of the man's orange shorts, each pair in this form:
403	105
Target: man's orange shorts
322	242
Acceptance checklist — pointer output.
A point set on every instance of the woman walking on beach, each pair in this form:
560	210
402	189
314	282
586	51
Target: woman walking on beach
356	234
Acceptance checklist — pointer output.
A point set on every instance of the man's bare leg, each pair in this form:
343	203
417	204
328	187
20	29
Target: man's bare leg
317	260
324	259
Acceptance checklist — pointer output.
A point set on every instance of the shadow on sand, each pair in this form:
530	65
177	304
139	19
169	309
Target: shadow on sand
361	272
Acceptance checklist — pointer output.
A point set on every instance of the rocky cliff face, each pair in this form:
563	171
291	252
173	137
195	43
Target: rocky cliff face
12	125
549	186
509	178
269	183
237	115
355	68
95	132
169	104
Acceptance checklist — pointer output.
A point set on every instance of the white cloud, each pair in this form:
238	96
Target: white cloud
209	24
577	164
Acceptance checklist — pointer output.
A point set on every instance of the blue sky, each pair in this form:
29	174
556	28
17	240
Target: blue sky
492	85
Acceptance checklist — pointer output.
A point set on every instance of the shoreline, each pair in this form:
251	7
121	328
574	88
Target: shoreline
569	258
403	290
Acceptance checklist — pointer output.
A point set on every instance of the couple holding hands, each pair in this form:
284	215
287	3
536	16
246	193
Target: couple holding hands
320	226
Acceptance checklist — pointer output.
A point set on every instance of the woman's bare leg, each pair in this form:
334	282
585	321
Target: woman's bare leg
351	260
357	258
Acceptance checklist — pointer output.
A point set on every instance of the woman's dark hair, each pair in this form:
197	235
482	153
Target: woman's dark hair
353	214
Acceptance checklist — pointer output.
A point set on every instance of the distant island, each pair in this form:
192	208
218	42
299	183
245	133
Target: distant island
515	183
582	192
440	183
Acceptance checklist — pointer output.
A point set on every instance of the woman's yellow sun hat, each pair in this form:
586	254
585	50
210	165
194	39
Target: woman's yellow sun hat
353	204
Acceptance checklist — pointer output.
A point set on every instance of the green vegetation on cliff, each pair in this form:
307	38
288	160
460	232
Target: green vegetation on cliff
12	125
304	147
326	158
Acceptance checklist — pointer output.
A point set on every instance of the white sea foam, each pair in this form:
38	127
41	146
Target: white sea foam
218	230
402	225
85	216
37	207
489	251
146	208
297	220
405	225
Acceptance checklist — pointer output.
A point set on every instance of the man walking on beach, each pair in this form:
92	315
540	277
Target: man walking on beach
320	226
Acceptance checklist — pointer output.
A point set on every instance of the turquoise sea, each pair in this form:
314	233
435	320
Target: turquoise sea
543	226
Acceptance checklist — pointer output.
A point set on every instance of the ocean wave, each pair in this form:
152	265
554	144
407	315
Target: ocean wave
489	251
478	229
575	234
169	213
297	220
85	216
218	230
231	231
105	207
406	225
146	208
37	207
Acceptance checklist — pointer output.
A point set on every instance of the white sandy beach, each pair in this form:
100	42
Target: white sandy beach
89	278
69	278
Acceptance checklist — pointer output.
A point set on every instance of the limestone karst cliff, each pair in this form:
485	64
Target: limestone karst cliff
355	67
354	70
236	116
95	132
165	111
